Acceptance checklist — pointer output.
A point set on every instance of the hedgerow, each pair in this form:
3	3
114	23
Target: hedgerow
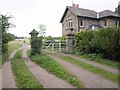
105	41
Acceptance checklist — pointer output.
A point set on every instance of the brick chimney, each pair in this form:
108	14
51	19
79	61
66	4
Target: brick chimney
76	5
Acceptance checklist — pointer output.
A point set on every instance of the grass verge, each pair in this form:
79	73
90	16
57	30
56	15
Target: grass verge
13	45
108	75
0	61
99	59
24	77
56	69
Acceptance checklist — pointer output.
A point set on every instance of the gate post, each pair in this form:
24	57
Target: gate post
70	41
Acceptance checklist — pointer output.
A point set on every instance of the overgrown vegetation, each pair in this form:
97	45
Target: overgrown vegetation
91	68
24	78
36	45
55	68
36	42
99	59
105	41
6	37
13	45
0	61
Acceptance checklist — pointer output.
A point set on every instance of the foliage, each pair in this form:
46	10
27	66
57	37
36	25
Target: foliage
99	59
0	61
117	10
83	41
105	41
13	45
49	38
91	68
63	37
56	69
6	37
42	29
36	45
24	78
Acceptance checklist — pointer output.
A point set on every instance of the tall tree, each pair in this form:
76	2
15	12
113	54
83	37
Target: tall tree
42	29
117	10
6	37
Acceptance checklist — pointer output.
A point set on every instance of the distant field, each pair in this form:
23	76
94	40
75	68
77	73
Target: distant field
27	40
12	46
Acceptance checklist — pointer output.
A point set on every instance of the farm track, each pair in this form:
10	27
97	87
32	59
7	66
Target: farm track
8	79
105	67
89	79
46	79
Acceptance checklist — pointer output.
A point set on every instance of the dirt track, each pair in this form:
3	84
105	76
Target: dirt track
105	67
8	79
46	79
89	79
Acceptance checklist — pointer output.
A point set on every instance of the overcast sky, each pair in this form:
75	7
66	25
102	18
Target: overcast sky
29	13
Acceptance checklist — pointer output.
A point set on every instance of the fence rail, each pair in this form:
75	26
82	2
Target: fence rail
55	45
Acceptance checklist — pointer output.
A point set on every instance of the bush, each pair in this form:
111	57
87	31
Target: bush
36	45
105	41
83	42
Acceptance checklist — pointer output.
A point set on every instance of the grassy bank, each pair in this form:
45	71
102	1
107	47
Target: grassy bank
55	68
24	77
0	61
99	59
13	45
91	68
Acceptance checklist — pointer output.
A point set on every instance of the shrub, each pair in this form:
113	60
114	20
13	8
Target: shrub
36	45
83	42
105	41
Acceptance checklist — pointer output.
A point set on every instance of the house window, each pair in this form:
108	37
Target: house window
69	23
105	23
81	22
117	23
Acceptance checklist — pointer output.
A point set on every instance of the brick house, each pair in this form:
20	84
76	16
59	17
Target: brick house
76	19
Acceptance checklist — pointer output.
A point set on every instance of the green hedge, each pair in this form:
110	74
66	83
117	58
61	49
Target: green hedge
105	41
36	45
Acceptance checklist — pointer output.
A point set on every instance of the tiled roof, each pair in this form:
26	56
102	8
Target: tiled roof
89	13
83	12
106	13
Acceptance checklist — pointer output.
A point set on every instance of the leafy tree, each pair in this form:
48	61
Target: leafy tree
117	10
42	29
6	37
63	37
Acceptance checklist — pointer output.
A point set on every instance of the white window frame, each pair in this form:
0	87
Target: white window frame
117	23
81	21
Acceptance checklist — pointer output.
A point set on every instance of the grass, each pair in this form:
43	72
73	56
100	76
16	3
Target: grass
108	75
0	61
26	41
99	59
24	78
56	69
13	45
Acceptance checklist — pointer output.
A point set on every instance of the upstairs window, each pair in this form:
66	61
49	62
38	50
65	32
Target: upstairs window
81	22
69	23
117	23
105	23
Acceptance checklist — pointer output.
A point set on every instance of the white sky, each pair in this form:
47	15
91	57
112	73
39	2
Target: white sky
29	13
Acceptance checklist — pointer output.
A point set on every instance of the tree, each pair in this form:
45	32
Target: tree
6	37
117	10
42	29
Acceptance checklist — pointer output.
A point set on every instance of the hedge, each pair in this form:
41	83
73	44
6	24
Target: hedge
105	41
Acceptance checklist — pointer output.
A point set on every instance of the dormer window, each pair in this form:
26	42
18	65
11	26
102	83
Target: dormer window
81	22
